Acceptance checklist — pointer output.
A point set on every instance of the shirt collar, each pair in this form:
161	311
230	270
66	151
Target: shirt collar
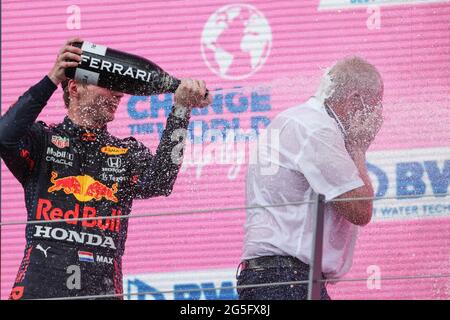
84	133
319	105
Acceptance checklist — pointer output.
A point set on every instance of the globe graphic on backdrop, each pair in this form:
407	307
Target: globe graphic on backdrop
236	41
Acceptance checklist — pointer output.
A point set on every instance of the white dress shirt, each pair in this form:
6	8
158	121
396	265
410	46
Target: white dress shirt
310	157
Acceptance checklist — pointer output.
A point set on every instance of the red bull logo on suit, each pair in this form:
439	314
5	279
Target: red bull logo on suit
83	188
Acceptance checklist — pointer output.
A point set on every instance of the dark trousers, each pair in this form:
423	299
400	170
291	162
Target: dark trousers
277	271
53	274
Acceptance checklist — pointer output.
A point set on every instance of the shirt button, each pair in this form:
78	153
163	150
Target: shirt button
295	272
292	285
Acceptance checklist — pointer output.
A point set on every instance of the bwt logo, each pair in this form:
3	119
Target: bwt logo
185	291
236	41
412	178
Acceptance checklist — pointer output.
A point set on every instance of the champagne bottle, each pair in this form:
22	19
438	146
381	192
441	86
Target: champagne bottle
120	71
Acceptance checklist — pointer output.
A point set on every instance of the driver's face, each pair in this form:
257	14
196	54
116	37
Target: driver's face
99	104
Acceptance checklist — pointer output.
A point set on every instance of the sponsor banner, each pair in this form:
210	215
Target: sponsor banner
410	183
216	284
257	59
255	44
243	111
348	4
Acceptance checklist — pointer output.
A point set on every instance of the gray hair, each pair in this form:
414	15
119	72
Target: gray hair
350	75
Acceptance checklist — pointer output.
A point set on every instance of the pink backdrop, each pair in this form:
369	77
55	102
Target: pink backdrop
409	44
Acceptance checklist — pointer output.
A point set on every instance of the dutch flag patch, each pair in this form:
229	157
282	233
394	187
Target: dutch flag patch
85	256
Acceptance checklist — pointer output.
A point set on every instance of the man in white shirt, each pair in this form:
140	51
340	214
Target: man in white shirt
321	150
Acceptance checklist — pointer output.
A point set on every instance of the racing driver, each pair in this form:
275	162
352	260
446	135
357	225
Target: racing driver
77	169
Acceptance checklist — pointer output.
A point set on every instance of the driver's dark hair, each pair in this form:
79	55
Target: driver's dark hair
66	95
